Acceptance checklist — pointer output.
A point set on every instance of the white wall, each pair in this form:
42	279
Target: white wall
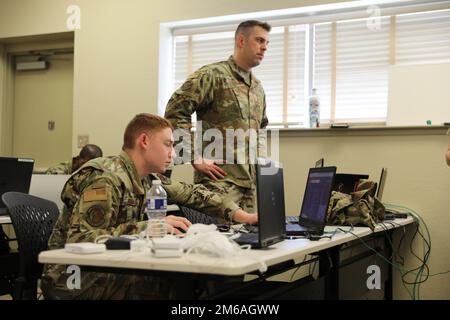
418	93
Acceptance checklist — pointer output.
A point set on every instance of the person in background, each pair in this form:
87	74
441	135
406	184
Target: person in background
88	152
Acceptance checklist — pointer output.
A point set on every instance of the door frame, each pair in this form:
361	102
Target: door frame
8	49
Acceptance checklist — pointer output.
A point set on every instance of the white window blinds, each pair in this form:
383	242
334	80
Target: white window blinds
362	60
281	72
423	37
351	64
323	65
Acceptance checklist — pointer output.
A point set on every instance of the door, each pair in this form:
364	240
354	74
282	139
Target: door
42	97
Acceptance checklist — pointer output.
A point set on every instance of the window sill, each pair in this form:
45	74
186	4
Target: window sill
365	131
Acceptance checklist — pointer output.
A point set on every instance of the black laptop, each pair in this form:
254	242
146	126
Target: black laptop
314	208
15	175
381	183
271	210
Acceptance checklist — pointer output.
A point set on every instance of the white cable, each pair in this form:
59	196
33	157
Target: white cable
206	239
102	238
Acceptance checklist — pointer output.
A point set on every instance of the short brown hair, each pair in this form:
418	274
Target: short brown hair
143	122
244	27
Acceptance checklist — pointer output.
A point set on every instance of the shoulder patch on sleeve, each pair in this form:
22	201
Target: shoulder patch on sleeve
96	216
95	195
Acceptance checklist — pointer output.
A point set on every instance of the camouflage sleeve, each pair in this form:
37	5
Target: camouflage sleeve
265	120
262	133
61	168
95	213
195	93
198	197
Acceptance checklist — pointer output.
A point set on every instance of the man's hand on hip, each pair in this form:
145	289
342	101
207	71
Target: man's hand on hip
209	168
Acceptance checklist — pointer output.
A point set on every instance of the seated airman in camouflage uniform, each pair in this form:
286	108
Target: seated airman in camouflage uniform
88	152
106	197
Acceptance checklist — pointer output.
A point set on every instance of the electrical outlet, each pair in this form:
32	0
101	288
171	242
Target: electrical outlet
51	125
83	139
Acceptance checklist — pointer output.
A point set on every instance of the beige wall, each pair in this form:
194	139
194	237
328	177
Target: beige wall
116	73
116	52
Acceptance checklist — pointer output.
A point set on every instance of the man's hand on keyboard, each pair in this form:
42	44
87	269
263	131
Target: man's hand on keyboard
244	217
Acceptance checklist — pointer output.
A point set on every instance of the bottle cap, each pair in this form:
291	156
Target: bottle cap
156	182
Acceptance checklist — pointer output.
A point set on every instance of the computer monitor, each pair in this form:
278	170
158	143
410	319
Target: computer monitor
15	175
49	186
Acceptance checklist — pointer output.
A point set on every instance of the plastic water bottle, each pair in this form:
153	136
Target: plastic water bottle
156	209
314	110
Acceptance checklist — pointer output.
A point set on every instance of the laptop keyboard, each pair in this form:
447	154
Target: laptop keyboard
247	238
291	219
251	228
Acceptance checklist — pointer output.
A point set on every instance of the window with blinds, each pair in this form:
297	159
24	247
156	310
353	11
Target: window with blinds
282	71
348	62
423	37
351	70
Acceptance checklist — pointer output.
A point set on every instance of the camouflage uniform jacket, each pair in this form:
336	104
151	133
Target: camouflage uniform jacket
224	97
357	208
63	167
106	197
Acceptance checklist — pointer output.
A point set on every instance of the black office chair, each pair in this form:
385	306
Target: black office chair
33	219
195	216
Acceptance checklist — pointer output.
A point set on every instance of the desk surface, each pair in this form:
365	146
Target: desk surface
5	219
196	263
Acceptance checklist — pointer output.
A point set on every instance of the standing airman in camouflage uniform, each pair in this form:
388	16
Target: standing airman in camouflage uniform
106	197
226	95
88	152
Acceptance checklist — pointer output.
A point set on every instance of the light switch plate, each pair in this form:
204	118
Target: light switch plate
83	139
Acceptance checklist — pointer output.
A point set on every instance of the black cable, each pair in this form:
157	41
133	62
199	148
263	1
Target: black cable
298	268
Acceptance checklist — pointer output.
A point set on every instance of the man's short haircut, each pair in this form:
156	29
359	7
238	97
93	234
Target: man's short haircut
143	122
246	26
90	151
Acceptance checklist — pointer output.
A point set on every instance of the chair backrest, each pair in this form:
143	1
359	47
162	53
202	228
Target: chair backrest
195	216
33	219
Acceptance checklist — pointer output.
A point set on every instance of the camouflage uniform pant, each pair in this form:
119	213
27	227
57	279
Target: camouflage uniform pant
105	286
243	197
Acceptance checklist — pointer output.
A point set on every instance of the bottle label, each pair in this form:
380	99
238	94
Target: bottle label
158	204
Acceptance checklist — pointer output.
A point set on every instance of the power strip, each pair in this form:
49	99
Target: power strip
85	247
167	242
167	253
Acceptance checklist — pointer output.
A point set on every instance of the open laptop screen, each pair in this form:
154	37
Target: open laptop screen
317	194
381	183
